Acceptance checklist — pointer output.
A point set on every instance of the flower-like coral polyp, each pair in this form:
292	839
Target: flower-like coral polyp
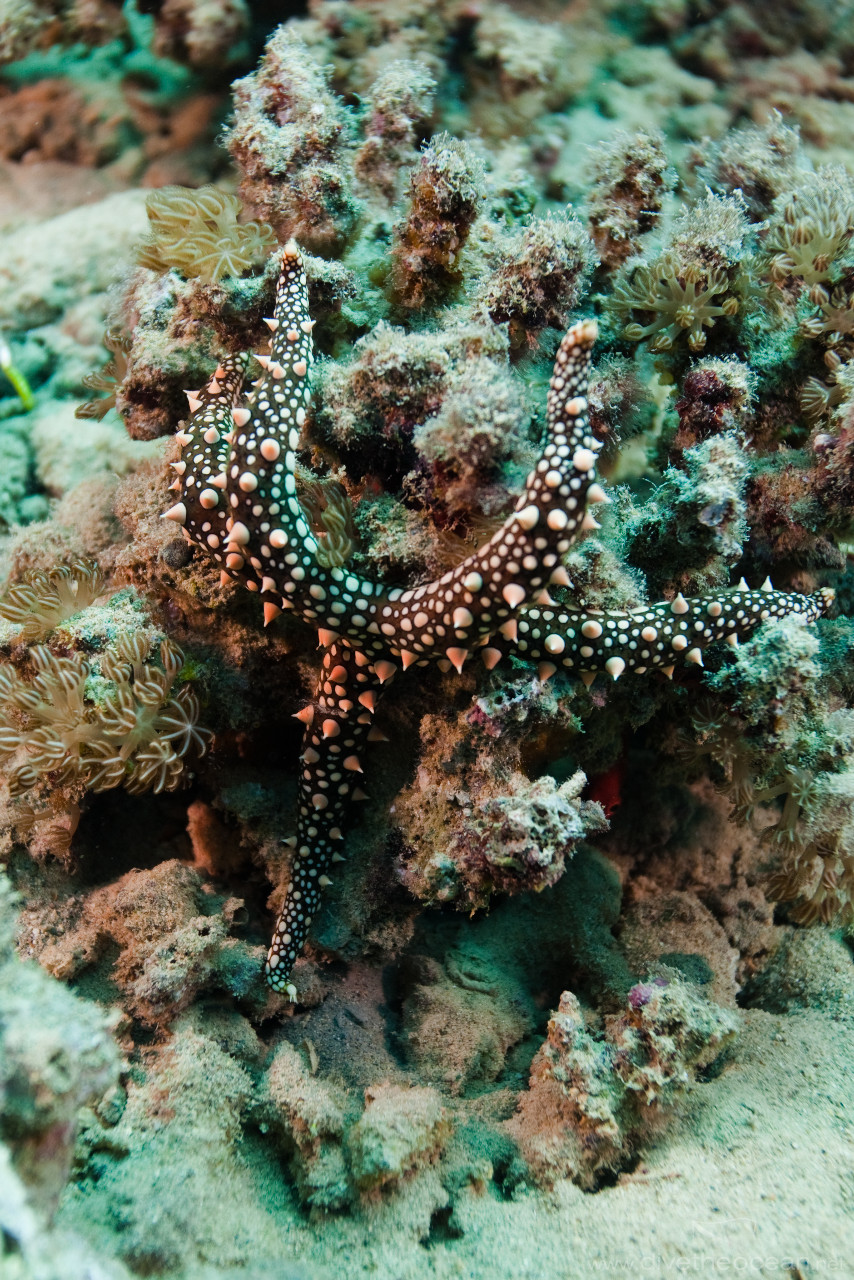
239	503
109	378
818	397
42	601
834	323
680	298
815	873
197	232
331	517
54	730
812	228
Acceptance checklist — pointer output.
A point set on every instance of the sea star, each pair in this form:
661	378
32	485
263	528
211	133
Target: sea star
239	504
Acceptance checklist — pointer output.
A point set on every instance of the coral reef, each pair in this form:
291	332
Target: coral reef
397	107
629	180
445	194
310	1117
288	138
400	1130
196	32
166	937
484	827
41	602
698	514
811	227
761	161
808	768
541	278
809	969
344	306
50	727
34	24
55	121
363	629
337	1155
56	1056
204	35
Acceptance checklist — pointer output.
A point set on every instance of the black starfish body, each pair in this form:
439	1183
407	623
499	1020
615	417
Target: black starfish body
238	502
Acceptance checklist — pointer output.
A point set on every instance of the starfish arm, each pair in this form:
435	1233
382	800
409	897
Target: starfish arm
484	593
657	636
338	726
269	534
203	510
238	483
270	542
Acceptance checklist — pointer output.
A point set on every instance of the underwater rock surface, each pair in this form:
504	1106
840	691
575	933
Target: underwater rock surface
579	996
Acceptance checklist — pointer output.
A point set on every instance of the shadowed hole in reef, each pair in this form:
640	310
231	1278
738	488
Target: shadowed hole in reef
266	15
443	1229
450	952
693	967
154	829
609	1178
551	751
574	919
152	1262
95	982
716	1068
508	1172
656	809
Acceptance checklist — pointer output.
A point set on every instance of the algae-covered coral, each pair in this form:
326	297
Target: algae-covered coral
587	927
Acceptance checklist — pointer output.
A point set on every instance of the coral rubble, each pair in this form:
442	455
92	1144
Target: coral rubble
590	1099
